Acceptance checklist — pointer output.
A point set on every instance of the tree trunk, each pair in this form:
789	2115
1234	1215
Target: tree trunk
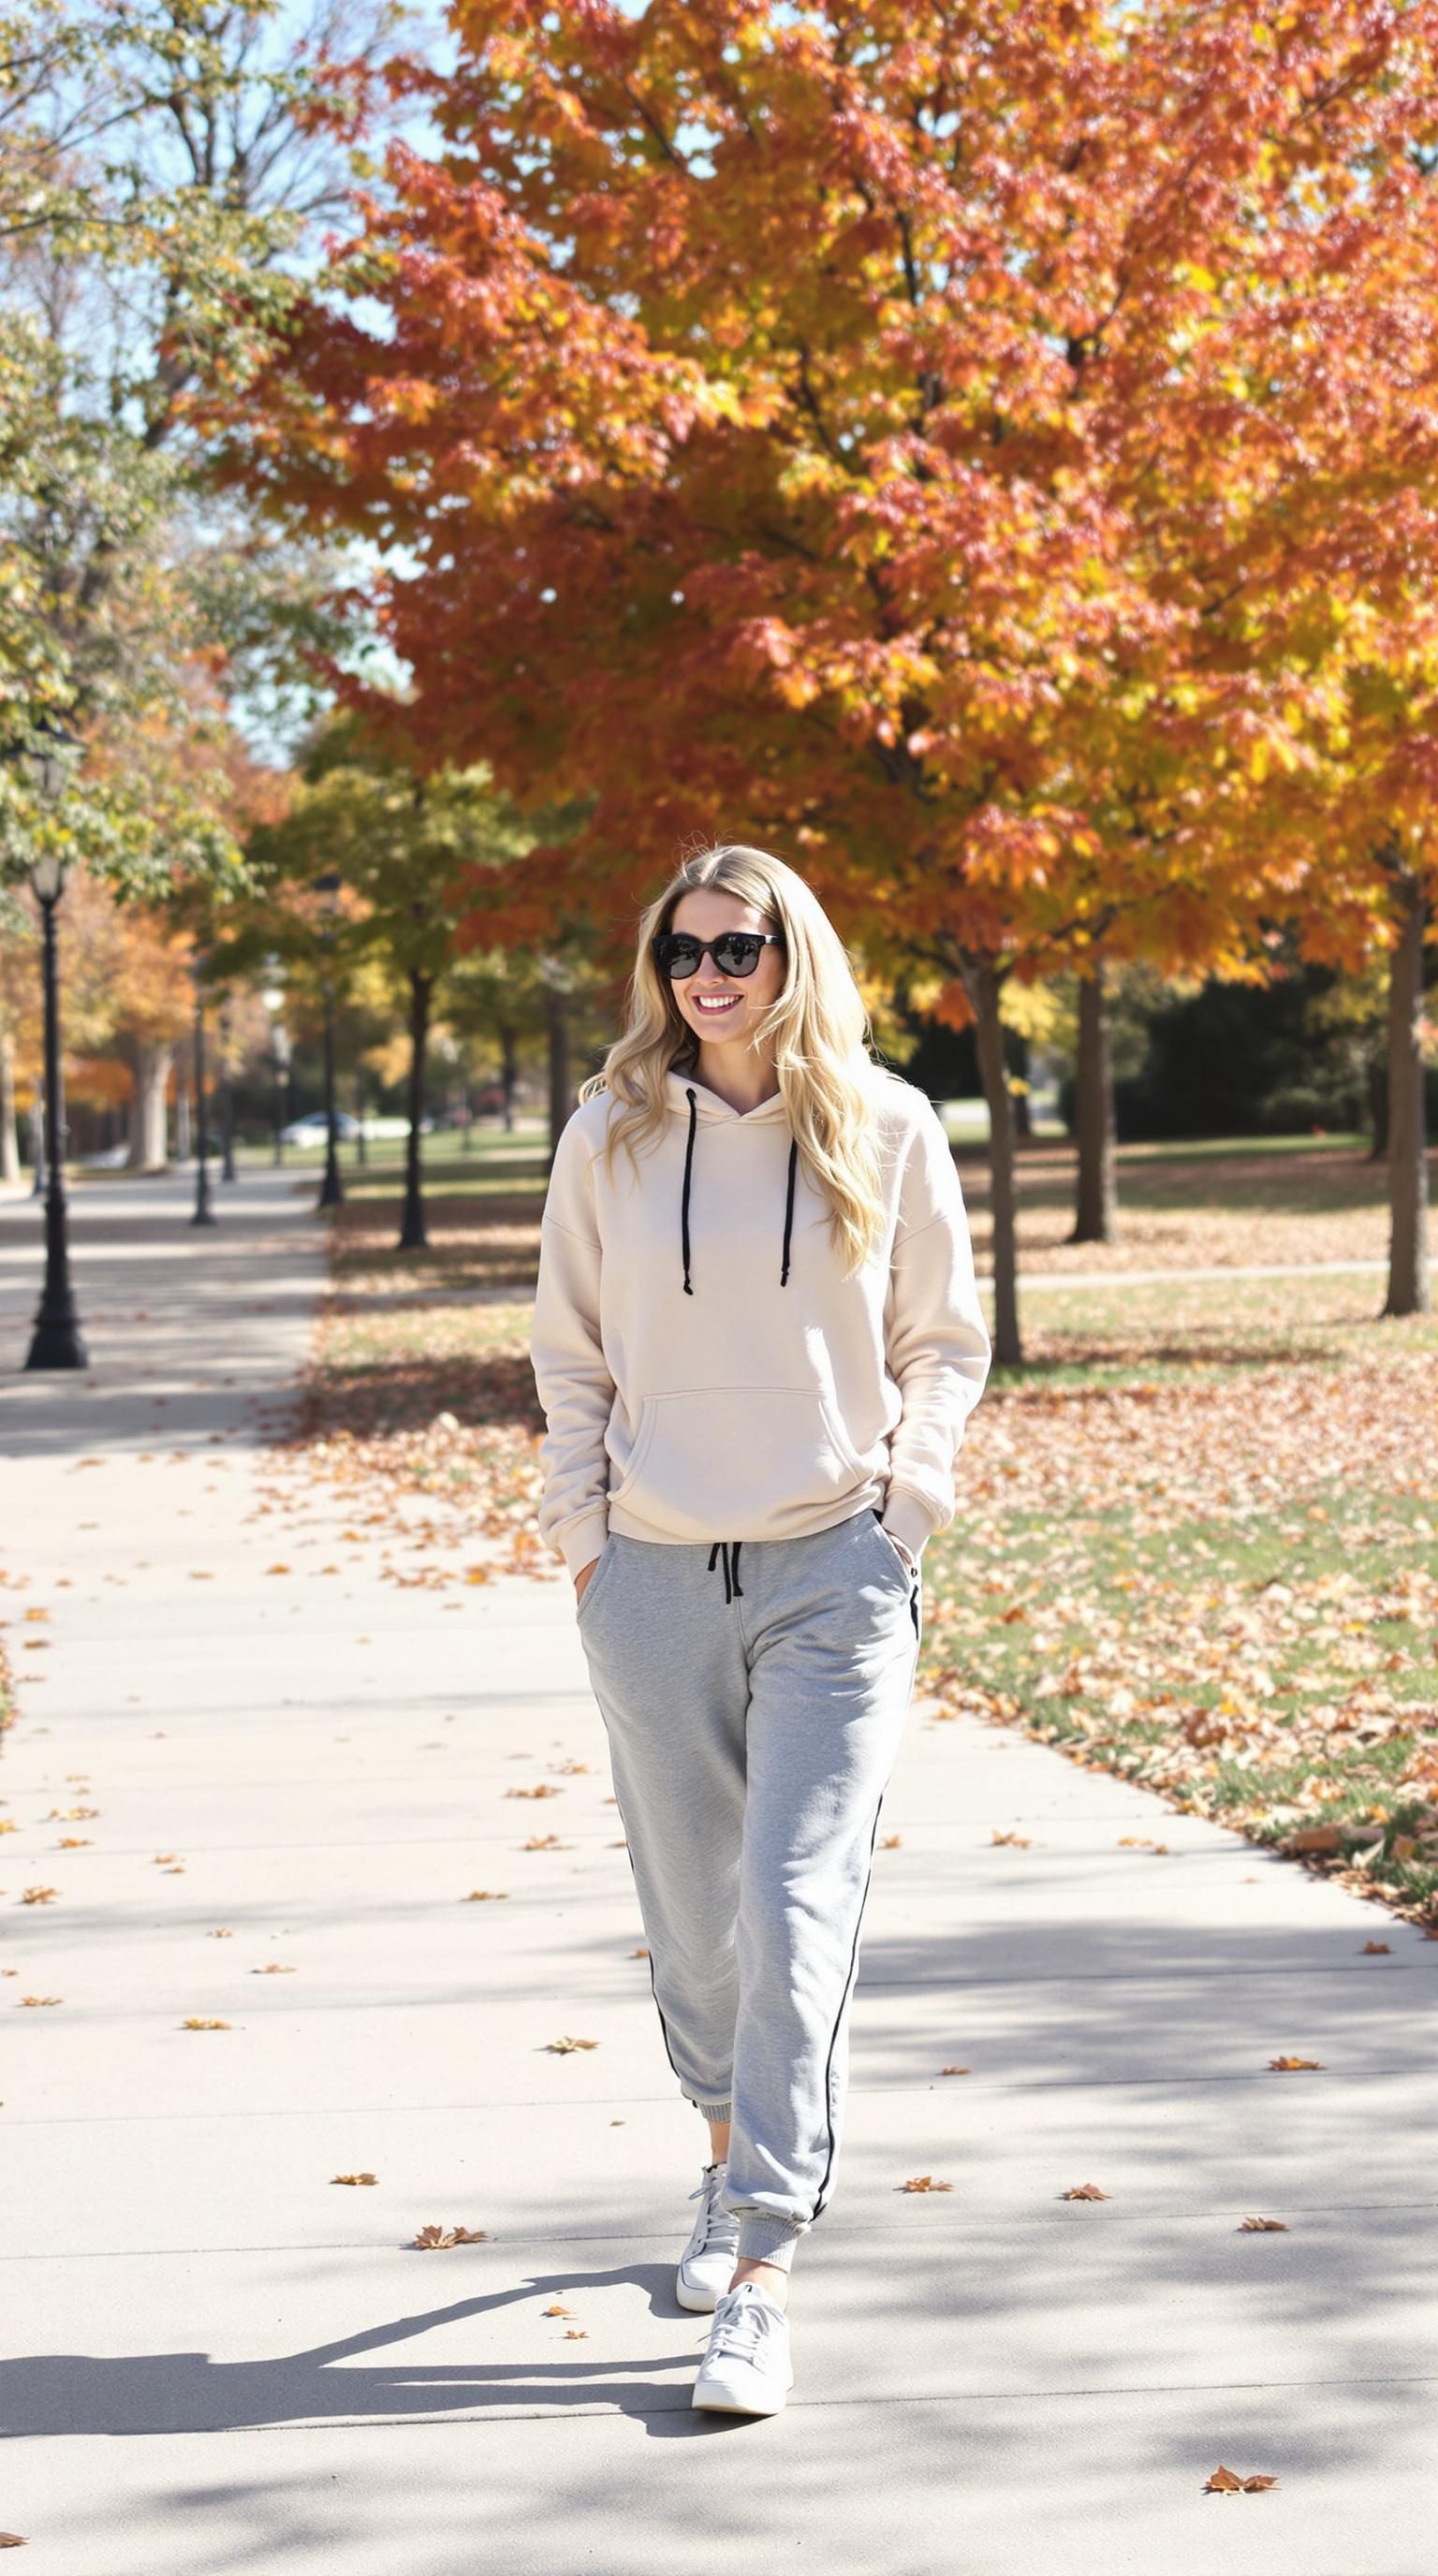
1095	1208
413	1237
9	1138
561	1101
1409	1289
509	1073
982	985
182	1116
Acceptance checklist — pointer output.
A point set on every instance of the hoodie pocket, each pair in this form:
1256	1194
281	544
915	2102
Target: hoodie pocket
749	1460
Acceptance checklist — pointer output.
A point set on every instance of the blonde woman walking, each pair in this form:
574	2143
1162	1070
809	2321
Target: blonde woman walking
757	1340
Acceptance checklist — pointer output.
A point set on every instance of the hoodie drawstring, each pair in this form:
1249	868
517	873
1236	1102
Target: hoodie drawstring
686	1178
789	1214
733	1588
684	1205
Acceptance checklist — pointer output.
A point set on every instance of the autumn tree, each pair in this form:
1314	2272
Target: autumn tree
908	436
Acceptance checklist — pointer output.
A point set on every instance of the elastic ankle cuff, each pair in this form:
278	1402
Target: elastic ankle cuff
765	2239
721	2113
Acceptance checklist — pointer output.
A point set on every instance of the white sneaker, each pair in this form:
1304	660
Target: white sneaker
746	2370
706	2266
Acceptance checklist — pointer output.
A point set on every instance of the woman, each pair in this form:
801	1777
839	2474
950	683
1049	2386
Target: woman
756	1338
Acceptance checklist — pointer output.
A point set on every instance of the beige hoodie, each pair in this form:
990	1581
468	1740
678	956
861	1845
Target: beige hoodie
704	1369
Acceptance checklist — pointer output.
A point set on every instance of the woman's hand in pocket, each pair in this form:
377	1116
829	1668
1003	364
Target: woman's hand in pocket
582	1578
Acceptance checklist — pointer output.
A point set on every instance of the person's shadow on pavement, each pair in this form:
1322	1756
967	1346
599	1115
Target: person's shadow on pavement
185	2392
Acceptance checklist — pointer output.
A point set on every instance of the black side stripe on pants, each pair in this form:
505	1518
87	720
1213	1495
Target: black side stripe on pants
838	2017
663	2024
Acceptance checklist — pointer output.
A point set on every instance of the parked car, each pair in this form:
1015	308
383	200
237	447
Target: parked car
312	1128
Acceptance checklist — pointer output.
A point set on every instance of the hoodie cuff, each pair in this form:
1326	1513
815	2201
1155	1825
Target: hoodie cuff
583	1540
907	1516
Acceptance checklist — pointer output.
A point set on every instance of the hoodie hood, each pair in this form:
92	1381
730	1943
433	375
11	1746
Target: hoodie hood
692	1100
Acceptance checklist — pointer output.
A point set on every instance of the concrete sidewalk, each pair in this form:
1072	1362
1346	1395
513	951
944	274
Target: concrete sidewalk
216	2358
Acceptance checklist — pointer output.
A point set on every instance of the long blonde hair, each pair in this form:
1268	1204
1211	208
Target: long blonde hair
820	1027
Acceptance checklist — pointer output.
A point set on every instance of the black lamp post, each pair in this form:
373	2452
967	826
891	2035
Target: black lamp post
227	1099
204	1213
332	1187
56	1342
274	1002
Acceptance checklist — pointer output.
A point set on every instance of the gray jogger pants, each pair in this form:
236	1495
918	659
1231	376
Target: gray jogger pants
754	1694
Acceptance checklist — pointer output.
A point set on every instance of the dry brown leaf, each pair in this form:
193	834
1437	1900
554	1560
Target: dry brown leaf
272	1968
14	2539
1313	1838
197	2021
1021	1839
925	2182
1223	2482
561	2047
485	1895
638	1954
69	1842
1282	2065
1084	2191
546	1789
544	1842
890	1842
42	1999
557	2311
221	1932
39	1895
1374	1948
1263	2227
956	2070
436	2239
278	1569
576	2334
356	2178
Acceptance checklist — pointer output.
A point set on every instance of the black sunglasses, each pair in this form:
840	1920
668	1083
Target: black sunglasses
735	952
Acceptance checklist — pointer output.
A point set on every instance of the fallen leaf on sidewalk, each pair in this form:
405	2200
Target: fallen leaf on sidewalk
544	1842
485	1895
557	2311
1281	2065
363	2177
925	2182
432	2240
891	1842
956	2070
638	1954
1313	1838
272	1968
546	1789
560	2046
1021	1839
42	1999
1374	1947
1263	2226
1223	2482
39	1895
1084	2191
197	2021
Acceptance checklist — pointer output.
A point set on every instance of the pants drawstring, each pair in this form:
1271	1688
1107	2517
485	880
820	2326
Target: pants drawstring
732	1584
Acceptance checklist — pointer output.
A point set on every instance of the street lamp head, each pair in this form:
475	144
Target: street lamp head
47	876
273	998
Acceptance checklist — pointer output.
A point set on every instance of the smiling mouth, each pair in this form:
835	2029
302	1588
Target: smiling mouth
714	1009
